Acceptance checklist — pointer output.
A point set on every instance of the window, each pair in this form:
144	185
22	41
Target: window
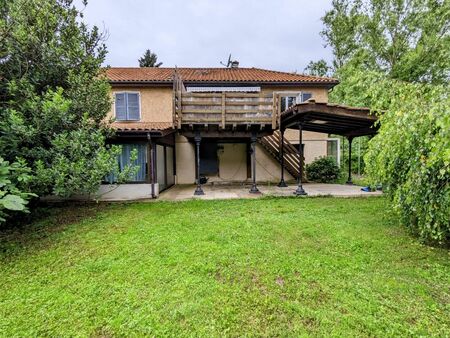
291	99
124	159
127	106
333	149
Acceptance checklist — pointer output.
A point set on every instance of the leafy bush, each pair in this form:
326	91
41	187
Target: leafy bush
54	99
12	198
323	169
410	155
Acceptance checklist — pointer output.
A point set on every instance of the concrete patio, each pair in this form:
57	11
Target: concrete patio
183	192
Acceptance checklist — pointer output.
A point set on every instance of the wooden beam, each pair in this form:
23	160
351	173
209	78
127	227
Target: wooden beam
331	109
225	134
248	111
190	94
202	111
360	132
201	103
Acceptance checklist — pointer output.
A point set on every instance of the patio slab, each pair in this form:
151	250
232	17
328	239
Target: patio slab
183	192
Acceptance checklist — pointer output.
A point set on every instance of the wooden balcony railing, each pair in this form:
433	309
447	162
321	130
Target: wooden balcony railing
225	108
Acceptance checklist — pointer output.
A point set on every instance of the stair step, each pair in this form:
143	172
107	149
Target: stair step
271	144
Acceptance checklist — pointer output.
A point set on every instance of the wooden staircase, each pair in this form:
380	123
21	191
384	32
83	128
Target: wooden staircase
272	145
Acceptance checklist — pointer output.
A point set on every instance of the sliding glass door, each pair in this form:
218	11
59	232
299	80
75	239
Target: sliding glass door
139	161
165	174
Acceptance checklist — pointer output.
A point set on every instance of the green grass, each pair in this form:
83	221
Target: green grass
273	267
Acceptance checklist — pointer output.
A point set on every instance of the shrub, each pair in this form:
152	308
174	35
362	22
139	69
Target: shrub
410	155
323	169
12	198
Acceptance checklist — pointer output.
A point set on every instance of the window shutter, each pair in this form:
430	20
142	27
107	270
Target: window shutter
133	106
121	107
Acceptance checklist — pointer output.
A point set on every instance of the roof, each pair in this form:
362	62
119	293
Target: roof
212	75
142	126
330	118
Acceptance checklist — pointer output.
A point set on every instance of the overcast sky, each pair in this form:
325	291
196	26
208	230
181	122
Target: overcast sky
280	35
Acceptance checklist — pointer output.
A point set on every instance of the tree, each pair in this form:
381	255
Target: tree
54	98
394	57
318	68
405	39
410	155
149	59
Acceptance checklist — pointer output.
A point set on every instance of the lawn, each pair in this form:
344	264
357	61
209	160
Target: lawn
271	267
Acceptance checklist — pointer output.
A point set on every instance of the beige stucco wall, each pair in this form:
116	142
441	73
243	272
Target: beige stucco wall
292	135
314	150
156	103
315	143
267	168
318	94
232	162
185	160
113	192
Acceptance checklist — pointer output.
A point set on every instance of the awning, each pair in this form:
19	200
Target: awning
134	128
330	119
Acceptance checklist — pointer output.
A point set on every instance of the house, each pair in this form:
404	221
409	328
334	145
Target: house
220	125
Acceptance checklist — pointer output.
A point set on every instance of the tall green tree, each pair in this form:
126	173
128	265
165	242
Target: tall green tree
53	97
149	59
394	57
406	39
318	68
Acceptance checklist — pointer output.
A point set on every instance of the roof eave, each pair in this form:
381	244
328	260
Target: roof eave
141	83
327	85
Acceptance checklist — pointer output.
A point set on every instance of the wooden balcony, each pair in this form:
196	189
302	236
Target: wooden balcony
225	109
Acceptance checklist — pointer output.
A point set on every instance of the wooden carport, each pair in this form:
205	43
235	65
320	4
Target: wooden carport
325	118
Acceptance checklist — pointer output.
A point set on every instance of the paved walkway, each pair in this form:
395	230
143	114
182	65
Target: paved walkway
182	192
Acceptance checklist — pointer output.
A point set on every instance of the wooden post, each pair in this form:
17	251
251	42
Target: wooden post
300	191
282	183
254	189
198	191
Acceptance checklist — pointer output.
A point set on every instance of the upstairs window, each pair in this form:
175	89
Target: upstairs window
127	106
292	99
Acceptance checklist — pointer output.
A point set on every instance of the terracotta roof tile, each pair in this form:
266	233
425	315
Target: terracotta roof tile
231	75
141	126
